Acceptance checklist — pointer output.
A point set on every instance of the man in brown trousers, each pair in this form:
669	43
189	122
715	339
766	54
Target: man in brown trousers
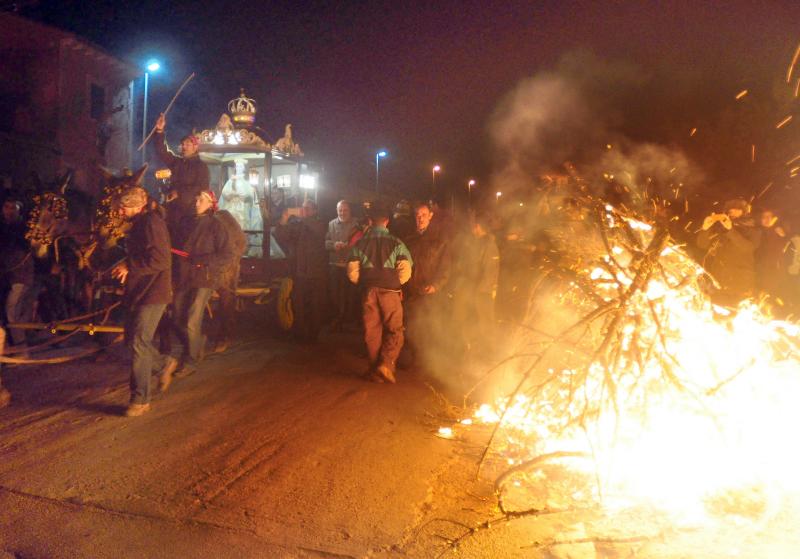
381	263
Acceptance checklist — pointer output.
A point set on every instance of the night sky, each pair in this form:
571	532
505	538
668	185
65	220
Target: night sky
422	79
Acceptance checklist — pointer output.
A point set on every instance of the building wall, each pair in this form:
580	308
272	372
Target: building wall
66	105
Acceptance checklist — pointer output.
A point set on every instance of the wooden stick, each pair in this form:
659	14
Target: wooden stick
150	135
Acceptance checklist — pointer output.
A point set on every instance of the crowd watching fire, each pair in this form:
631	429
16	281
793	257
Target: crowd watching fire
614	352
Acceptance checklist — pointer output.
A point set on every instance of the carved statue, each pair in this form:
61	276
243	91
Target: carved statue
287	145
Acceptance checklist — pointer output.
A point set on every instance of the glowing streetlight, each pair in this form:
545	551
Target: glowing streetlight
497	196
436	169
470	184
378	156
152	66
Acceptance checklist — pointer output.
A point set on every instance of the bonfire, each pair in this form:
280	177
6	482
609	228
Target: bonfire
644	402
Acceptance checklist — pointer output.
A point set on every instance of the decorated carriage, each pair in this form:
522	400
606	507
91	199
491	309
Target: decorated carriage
256	181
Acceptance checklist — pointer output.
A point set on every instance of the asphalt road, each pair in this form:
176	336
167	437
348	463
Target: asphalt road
271	450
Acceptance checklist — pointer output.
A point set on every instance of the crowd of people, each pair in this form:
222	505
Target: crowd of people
408	278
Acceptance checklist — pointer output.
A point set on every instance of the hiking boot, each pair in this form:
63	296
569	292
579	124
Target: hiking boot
166	374
135	410
5	397
386	372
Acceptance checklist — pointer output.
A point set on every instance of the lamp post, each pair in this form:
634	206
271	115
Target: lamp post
436	169
152	66
497	197
378	156
470	184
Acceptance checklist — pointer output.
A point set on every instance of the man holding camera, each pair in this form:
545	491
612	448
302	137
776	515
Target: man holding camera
301	233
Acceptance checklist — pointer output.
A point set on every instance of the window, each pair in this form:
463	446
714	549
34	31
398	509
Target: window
97	102
284	181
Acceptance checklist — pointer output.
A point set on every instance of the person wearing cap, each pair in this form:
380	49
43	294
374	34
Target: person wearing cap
730	240
146	276
342	292
189	174
206	252
381	264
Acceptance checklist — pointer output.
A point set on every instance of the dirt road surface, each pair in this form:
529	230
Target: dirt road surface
273	449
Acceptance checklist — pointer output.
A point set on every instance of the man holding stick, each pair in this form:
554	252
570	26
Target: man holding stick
146	275
189	176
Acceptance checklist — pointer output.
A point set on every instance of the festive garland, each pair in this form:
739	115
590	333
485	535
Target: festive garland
109	223
51	203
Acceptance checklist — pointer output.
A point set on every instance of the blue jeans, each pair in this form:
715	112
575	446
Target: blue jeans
18	310
139	331
189	306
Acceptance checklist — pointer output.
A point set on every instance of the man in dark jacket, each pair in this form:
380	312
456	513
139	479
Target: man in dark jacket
425	300
206	254
304	240
189	174
16	267
381	263
730	240
146	276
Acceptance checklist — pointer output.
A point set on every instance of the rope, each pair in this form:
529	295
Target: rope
55	360
89	315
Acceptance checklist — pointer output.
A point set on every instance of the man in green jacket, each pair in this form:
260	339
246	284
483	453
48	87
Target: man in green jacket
381	264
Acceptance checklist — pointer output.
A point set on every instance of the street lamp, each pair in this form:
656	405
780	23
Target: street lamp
152	66
436	169
378	156
470	184
497	196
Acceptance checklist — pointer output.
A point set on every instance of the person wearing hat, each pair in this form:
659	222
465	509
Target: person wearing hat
146	276
189	174
381	264
206	252
730	240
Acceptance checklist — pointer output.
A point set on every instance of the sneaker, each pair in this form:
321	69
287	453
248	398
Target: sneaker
185	370
5	397
166	374
386	372
135	410
373	376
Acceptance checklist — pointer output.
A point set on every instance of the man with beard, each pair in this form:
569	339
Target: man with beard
146	275
189	175
206	254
